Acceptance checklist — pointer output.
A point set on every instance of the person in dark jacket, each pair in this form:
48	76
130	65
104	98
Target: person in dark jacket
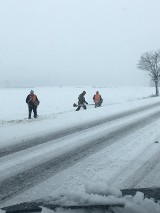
81	101
32	102
97	98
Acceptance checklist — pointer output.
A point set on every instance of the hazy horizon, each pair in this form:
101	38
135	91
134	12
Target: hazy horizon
66	43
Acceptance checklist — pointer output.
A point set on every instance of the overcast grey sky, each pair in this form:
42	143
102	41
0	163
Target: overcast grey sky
76	42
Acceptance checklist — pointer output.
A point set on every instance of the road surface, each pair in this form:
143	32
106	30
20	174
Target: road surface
23	166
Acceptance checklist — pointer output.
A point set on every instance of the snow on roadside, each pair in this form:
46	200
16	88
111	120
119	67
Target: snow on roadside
52	119
60	99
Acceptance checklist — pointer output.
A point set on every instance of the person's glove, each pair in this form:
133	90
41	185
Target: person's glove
86	103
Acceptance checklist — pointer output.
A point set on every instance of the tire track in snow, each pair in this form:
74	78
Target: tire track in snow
24	180
69	131
141	172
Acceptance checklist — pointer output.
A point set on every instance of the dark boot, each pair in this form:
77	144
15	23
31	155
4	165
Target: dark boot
78	108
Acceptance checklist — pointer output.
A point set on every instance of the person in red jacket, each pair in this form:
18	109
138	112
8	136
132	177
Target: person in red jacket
32	102
97	99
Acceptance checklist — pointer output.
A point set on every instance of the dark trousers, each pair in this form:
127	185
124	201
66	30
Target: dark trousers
81	105
34	108
98	104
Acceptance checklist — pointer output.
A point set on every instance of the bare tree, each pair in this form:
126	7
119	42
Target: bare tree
150	61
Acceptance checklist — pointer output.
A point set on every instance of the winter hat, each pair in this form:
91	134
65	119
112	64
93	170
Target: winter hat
31	92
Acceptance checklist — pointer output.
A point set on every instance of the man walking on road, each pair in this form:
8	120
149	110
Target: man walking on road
81	101
33	103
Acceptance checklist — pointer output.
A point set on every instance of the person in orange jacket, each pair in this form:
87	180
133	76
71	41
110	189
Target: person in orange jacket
32	102
97	98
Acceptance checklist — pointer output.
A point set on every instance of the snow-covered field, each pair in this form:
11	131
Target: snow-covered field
129	160
56	108
60	99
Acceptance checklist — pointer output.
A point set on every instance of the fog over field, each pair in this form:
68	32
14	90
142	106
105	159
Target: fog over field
54	43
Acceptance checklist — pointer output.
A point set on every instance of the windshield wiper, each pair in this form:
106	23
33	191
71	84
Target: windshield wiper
37	207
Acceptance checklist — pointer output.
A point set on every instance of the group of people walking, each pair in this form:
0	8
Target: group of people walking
33	102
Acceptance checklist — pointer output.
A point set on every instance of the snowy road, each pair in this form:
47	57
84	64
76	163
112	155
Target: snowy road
23	166
27	143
